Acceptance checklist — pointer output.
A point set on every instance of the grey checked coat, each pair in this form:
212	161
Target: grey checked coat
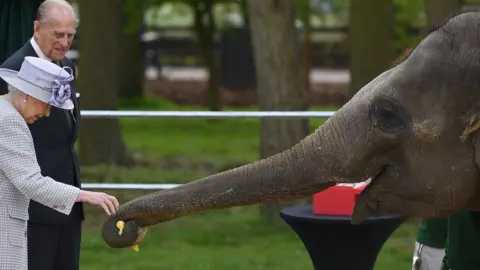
20	181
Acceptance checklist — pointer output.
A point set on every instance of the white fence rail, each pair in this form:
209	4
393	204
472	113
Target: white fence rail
113	186
187	114
205	114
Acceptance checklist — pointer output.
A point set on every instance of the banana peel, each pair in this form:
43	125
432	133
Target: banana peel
121	225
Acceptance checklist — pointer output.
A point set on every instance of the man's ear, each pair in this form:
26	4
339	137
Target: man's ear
472	133
36	27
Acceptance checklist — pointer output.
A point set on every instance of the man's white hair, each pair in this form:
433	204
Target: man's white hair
45	6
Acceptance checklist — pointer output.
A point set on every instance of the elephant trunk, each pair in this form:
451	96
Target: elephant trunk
324	158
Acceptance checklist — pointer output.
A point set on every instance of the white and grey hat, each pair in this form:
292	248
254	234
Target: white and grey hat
42	80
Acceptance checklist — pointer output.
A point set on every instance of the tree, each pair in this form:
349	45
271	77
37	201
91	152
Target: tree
280	82
205	27
100	139
130	64
371	37
437	11
16	25
305	13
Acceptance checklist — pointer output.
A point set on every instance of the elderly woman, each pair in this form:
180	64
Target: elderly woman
38	85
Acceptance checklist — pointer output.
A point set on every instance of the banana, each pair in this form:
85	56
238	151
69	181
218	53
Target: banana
121	225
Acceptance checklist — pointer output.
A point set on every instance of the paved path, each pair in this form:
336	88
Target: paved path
333	76
187	73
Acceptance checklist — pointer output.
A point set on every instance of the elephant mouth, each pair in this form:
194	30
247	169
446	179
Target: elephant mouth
377	175
366	203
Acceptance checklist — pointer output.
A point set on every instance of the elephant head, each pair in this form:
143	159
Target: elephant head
411	131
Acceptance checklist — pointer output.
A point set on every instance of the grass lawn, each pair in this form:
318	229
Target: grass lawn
181	150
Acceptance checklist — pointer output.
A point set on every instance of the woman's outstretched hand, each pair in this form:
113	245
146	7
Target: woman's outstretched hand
108	202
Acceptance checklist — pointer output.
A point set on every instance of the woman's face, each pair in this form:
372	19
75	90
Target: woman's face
32	109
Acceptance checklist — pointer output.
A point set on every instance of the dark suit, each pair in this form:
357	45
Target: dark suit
53	238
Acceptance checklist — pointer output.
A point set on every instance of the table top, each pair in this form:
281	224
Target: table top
306	212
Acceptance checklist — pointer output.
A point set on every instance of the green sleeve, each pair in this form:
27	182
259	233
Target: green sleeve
463	245
433	232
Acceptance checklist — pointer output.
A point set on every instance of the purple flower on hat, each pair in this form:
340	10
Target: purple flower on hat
60	91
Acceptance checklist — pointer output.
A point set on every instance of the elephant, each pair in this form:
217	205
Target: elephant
411	132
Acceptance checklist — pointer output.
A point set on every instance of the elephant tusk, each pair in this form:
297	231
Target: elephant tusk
120	225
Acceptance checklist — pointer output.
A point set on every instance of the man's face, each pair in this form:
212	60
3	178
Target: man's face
55	35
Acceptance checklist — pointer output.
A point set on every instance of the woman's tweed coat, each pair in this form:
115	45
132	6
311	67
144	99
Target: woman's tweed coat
20	181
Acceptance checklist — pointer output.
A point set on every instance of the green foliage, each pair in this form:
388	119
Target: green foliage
409	14
133	10
470	2
162	13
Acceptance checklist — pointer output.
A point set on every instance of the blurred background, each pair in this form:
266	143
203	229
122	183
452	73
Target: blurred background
196	55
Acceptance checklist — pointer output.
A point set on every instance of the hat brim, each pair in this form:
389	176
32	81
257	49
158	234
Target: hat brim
10	77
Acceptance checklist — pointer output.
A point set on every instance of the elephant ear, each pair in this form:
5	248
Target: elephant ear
472	131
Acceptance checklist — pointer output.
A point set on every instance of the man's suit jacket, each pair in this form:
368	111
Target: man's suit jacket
21	181
54	139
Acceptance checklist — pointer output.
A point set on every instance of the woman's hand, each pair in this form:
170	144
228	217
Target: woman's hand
108	202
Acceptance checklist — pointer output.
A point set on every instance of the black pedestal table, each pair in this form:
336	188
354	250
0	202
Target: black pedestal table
333	243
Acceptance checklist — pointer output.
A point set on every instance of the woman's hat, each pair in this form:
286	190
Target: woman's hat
42	80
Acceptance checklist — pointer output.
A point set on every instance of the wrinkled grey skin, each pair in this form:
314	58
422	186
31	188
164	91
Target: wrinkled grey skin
404	128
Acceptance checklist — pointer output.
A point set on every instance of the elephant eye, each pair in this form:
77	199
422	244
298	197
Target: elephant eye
388	117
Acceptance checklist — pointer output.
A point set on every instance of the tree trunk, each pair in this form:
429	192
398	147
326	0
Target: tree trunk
281	85
307	42
130	62
371	38
205	30
100	139
436	11
244	11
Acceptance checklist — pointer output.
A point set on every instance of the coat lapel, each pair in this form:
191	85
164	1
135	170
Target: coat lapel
72	114
28	49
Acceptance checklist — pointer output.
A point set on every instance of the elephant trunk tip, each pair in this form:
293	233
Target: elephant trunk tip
121	234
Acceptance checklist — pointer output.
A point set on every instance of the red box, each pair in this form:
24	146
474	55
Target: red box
337	200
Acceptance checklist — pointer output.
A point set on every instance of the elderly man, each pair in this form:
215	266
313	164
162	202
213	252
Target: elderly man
53	238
